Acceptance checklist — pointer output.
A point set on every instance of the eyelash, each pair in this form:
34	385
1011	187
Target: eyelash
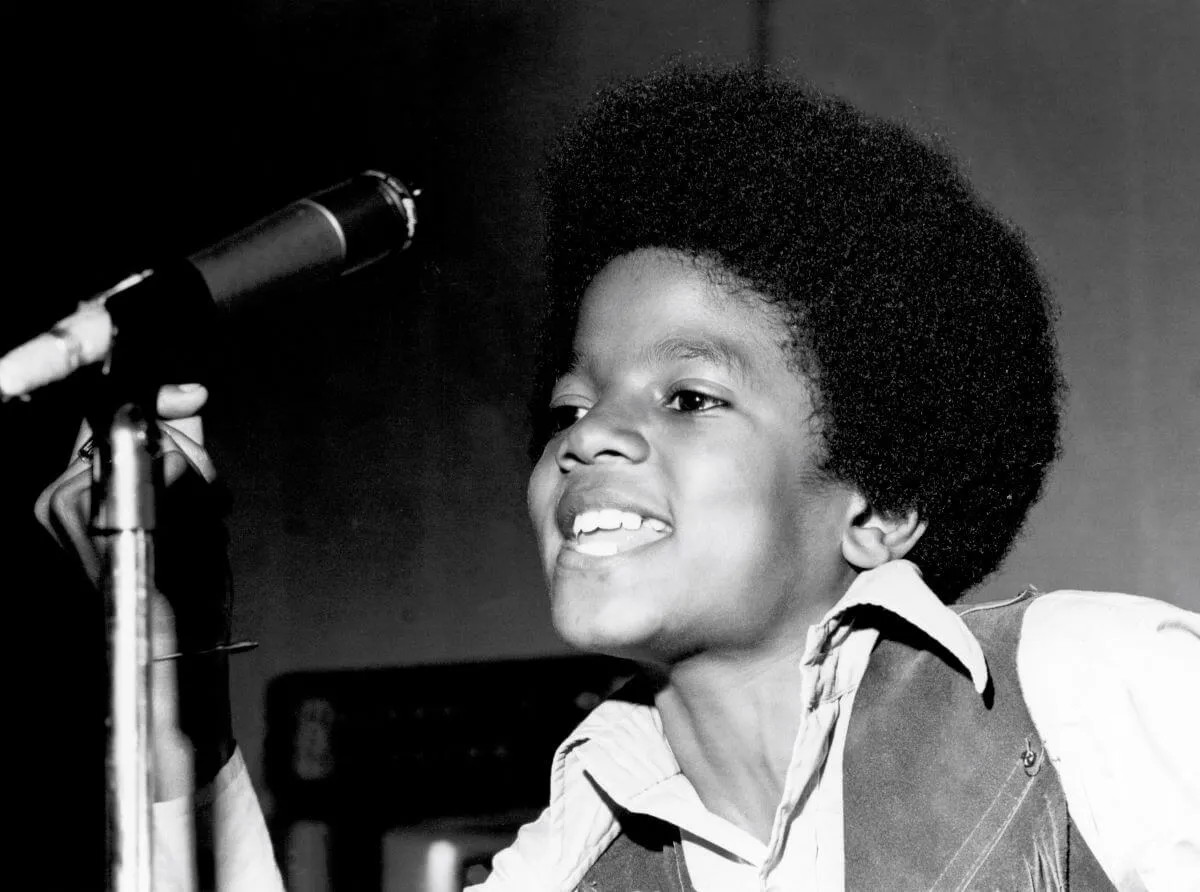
711	401
559	418
562	417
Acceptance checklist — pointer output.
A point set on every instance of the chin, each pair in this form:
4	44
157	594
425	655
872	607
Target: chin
620	627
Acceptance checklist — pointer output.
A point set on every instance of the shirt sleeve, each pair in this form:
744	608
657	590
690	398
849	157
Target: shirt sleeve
553	853
513	868
243	857
1111	683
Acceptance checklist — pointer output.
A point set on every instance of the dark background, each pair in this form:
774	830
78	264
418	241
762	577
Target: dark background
372	433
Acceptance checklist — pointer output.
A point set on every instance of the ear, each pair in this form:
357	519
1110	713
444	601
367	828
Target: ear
871	539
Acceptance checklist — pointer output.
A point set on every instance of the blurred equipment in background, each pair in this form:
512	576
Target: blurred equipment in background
410	779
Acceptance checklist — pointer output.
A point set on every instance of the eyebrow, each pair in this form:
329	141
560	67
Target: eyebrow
707	349
715	351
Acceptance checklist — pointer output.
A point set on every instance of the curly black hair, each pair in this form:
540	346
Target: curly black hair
916	312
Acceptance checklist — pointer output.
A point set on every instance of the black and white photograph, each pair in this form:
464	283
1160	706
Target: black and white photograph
603	446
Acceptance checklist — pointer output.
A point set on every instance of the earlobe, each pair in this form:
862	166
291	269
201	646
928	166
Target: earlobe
871	539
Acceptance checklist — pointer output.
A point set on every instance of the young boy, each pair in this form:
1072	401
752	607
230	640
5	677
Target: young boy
800	389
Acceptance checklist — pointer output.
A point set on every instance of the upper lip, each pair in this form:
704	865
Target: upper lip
596	498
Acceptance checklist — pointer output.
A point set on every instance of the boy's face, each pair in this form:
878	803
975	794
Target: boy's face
677	510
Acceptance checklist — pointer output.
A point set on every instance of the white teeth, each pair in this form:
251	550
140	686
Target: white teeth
597	549
612	519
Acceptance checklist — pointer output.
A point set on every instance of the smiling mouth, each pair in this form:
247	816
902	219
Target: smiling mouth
610	531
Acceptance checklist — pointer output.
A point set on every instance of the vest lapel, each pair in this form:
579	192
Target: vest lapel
646	857
945	789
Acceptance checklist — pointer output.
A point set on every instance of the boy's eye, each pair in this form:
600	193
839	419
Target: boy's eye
693	401
562	417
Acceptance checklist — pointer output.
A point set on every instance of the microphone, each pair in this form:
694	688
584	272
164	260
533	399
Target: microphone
334	232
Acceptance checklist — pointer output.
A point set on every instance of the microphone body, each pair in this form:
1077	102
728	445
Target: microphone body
313	240
331	233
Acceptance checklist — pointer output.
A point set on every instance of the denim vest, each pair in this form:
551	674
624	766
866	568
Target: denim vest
944	790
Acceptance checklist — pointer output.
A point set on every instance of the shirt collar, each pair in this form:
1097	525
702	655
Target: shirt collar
622	739
898	588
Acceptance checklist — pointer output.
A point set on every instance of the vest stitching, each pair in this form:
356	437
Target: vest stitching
1028	592
984	847
677	850
999	833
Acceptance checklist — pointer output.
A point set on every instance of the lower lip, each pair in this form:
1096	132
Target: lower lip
569	558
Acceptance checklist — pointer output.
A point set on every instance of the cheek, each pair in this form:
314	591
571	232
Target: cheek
762	517
539	497
808	542
745	496
736	538
536	491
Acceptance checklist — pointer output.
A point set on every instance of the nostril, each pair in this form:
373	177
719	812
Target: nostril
600	436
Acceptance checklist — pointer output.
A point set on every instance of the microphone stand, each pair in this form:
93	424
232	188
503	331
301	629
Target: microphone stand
306	240
127	483
126	476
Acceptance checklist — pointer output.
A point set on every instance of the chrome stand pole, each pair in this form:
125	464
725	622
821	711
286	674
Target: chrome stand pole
123	518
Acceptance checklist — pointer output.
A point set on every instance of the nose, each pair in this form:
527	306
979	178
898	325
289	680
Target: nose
602	435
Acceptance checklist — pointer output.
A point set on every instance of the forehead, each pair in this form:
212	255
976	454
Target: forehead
655	306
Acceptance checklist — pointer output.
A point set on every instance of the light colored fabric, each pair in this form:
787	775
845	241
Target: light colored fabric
1112	683
620	750
244	858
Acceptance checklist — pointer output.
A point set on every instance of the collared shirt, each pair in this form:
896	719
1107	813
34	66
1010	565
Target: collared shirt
621	747
1110	682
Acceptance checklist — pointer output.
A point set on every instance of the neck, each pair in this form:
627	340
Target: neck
731	726
732	718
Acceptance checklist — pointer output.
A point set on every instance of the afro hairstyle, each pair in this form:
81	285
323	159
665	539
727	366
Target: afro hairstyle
917	313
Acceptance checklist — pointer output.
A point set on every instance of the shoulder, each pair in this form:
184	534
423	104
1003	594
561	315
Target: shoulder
553	853
1087	621
1109	680
1075	642
1105	661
